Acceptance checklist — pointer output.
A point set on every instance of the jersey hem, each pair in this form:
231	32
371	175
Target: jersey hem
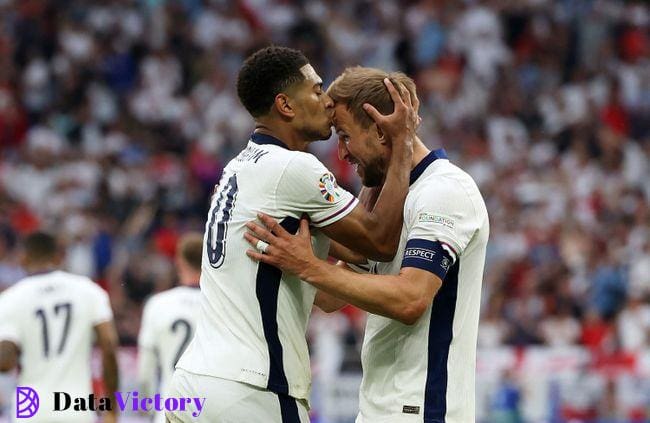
263	384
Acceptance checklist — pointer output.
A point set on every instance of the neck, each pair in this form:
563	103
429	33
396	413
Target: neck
284	133
420	151
190	280
37	270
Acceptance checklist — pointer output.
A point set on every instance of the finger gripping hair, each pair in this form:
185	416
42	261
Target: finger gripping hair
358	85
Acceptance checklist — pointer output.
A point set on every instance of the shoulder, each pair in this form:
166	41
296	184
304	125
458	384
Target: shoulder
450	182
441	190
85	283
163	300
155	301
28	286
170	295
19	289
304	161
304	172
447	197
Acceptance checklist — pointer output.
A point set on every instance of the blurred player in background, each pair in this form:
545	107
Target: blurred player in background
169	321
249	354
419	352
48	323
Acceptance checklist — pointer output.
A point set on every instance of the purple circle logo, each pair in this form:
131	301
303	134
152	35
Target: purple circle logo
27	402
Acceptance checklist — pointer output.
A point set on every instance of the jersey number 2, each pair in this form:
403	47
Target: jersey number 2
186	327
42	315
220	215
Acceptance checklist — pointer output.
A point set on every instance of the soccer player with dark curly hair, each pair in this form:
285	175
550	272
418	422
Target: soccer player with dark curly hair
49	323
249	356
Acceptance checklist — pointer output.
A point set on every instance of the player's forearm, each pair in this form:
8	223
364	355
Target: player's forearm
343	253
384	295
386	217
328	303
111	373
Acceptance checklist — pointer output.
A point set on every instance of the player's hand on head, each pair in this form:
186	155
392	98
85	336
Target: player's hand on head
416	110
399	127
272	244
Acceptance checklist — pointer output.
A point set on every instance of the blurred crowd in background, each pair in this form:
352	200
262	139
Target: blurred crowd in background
116	118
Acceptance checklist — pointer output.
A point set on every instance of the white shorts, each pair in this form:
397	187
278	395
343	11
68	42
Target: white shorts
228	401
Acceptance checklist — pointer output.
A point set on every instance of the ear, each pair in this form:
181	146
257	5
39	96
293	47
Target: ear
59	257
380	134
283	106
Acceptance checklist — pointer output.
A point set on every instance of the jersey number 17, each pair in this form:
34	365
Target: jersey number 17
62	311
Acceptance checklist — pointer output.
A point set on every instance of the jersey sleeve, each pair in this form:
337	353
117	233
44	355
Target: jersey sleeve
101	312
442	220
10	329
306	186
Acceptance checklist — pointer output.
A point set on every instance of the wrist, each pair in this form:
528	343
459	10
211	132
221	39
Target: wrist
402	147
311	270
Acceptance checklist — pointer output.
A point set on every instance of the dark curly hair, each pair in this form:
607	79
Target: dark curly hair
266	73
40	247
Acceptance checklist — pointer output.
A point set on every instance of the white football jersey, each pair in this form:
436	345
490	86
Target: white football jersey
253	317
425	372
51	317
168	324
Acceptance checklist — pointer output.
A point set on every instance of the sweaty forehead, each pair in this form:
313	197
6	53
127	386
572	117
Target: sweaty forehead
310	74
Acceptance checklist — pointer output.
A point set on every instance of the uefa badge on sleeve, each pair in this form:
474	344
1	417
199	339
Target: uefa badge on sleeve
27	402
329	187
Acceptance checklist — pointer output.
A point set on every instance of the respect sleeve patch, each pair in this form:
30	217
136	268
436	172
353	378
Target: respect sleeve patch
432	256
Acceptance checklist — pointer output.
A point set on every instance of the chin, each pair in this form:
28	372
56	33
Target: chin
368	184
327	133
372	179
371	182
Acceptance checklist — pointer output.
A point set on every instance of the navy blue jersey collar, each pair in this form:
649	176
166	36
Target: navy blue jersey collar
424	163
258	138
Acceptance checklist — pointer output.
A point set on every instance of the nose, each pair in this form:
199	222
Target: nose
343	150
329	103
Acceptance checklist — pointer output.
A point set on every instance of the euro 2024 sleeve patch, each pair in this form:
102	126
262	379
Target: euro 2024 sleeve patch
329	189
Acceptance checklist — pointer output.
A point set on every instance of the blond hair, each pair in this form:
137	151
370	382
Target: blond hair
358	85
190	249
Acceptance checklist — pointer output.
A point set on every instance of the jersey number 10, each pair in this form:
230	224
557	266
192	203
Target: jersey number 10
220	215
